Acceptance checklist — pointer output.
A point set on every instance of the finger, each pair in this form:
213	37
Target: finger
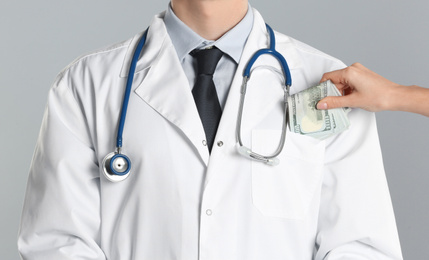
335	102
334	76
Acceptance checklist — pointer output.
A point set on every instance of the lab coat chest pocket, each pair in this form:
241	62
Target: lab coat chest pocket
286	190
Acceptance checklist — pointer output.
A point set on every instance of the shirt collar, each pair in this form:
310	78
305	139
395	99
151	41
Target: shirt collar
185	39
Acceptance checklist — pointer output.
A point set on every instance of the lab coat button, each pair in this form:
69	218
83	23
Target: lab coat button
220	143
209	212
204	142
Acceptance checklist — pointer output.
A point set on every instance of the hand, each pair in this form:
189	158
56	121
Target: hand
361	88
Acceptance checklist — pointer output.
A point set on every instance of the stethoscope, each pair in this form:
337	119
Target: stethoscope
117	166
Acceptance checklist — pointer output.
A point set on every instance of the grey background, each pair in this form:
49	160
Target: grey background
390	37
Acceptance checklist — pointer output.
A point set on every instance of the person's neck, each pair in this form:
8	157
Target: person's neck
210	18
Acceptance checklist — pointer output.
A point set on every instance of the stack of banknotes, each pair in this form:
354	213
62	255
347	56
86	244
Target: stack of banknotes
305	119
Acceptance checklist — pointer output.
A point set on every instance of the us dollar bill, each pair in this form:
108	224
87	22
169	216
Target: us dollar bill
305	119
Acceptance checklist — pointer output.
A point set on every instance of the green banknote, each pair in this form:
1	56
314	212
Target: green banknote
305	119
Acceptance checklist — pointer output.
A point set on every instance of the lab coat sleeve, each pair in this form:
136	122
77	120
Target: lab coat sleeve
356	216
61	214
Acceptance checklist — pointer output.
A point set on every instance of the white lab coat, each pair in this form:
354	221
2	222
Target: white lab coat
325	200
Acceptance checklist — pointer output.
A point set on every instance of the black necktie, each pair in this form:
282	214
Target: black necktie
204	92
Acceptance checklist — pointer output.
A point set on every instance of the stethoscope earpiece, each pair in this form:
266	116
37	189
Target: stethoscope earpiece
116	167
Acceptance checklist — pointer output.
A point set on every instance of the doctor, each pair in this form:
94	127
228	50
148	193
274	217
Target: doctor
324	200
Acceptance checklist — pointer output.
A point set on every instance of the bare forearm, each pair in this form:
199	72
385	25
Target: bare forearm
413	99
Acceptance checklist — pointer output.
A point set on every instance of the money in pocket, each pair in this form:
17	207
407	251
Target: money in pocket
305	119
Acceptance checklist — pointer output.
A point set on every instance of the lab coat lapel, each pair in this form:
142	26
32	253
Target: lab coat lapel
166	89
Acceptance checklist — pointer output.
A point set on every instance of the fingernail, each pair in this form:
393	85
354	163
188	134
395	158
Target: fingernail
321	105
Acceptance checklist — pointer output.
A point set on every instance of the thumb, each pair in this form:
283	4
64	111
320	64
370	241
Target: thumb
333	102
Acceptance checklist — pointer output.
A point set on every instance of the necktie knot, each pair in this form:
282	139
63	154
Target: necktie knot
207	60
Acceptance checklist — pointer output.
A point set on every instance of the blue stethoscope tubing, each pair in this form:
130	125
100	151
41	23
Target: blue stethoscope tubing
270	51
117	166
130	79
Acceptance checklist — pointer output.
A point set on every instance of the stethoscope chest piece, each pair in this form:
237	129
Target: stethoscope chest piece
116	167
